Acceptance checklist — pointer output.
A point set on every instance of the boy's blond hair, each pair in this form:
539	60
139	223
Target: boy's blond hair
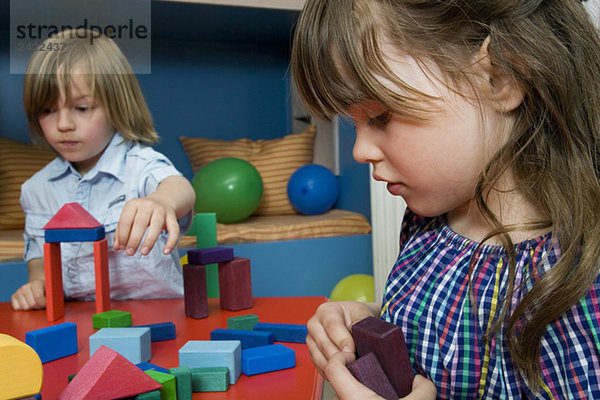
107	72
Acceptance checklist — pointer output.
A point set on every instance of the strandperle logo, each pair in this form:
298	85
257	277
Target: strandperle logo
127	22
130	30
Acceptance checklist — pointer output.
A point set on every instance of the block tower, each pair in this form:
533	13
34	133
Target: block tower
72	223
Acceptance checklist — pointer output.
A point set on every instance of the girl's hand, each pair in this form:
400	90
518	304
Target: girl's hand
139	216
348	388
30	296
329	329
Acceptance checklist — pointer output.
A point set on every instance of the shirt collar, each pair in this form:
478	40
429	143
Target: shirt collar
111	161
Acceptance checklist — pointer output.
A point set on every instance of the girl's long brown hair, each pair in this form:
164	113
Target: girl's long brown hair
551	49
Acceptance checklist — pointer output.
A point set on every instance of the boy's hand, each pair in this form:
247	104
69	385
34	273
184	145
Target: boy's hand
30	296
140	215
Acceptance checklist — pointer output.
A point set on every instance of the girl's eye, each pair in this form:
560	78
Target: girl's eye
46	111
381	120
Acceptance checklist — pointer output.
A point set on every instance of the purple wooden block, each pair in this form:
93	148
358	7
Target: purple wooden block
210	255
194	291
368	371
235	284
387	342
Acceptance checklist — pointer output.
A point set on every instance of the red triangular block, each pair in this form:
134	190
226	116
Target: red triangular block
72	216
108	375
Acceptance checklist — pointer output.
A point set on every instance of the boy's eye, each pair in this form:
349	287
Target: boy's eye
82	108
381	120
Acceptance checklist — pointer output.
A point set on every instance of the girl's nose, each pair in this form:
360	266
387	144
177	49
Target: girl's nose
65	120
366	149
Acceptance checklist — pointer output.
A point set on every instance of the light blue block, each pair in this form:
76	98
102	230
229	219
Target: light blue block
131	343
211	353
258	360
53	342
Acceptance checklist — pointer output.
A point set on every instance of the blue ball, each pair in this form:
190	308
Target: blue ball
312	189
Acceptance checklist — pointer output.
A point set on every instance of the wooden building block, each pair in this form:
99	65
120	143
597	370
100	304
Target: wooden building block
160	331
109	373
20	369
290	333
169	388
207	353
247	338
204	226
183	381
274	357
243	322
53	342
211	379
210	255
153	395
131	343
74	235
101	275
386	340
72	216
235	284
111	319
55	303
194	291
146	366
368	371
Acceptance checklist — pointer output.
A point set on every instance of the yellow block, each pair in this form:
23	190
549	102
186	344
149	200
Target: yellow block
21	369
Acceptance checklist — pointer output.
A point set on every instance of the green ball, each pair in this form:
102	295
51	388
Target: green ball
229	187
359	287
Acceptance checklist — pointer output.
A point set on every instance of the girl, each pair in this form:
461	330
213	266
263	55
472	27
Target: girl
484	115
84	101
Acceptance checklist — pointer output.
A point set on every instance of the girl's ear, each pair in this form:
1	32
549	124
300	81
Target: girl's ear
504	93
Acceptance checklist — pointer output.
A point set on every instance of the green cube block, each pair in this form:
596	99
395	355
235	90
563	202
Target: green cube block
183	381
169	388
214	379
111	319
243	322
153	395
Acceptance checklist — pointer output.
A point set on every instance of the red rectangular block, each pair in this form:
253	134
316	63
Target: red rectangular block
55	303
235	284
386	340
194	291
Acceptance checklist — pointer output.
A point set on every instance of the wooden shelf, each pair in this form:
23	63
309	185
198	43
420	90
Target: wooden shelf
275	4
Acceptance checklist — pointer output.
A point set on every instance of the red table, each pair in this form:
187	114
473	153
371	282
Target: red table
301	382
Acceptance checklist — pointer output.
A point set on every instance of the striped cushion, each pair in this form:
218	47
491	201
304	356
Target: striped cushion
18	162
275	160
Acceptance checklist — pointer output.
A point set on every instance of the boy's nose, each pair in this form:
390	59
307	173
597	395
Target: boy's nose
65	121
365	148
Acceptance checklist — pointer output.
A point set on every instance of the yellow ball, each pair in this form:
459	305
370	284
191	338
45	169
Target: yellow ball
359	287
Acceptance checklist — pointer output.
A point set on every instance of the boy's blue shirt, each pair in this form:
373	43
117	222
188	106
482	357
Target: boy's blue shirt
126	170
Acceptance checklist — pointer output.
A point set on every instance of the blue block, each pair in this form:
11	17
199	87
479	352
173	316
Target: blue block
290	333
131	343
74	235
275	357
247	338
210	255
146	366
208	353
53	342
160	331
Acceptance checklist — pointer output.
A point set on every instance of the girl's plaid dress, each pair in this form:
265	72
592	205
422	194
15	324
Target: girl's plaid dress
427	295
